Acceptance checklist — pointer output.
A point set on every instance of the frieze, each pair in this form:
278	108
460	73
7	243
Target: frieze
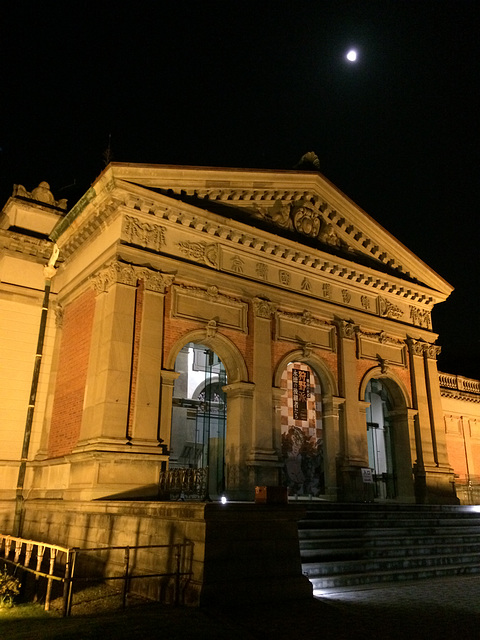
200	252
263	308
145	234
388	310
421	317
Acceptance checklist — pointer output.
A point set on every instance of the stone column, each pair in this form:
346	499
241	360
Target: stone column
238	440
263	458
145	419
353	429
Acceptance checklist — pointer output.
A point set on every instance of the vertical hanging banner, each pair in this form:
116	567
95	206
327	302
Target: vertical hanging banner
300	393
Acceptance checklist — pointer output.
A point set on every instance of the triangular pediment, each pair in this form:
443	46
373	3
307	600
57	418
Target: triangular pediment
303	206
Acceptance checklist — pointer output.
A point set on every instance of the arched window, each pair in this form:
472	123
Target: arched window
199	415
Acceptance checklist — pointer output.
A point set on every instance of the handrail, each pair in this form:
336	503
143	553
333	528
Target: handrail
35	549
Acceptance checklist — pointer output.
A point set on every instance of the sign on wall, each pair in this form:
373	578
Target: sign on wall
300	393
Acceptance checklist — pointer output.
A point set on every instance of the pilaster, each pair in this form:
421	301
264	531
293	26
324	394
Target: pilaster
167	384
145	418
353	442
263	448
238	444
424	448
107	396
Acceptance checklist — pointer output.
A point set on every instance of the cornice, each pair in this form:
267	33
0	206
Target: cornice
217	230
18	243
205	238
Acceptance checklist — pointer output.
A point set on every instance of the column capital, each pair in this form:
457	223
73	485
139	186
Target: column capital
346	329
263	308
117	272
169	377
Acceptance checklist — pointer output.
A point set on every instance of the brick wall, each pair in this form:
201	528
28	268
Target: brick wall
72	375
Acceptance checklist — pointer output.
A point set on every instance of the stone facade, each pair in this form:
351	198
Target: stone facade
261	268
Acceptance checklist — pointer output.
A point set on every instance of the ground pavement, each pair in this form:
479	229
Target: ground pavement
440	609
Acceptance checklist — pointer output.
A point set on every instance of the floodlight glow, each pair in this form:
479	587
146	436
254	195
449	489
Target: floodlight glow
223	500
352	55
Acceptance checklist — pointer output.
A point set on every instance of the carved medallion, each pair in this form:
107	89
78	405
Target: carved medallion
200	252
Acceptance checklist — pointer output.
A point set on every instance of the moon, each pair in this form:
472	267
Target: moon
352	55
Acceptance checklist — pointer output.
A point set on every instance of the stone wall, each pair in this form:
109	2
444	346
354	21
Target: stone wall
238	552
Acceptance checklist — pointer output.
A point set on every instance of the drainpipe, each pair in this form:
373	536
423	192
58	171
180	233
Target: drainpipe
48	272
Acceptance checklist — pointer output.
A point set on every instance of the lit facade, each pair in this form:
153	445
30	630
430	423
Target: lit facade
257	323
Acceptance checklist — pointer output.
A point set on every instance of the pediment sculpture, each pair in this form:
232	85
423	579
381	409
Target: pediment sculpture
303	217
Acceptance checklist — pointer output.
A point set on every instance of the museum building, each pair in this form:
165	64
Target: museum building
256	325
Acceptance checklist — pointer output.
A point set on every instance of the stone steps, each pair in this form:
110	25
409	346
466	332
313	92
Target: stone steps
351	545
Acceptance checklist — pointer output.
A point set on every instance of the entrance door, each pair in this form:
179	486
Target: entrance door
199	415
380	441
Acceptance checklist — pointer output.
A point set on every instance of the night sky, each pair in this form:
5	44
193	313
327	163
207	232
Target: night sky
257	84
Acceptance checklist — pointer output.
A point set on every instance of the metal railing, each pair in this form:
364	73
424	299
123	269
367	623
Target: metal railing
175	484
62	569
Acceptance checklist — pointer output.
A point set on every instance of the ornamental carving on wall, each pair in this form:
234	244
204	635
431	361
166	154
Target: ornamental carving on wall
347	329
389	310
421	317
432	351
303	217
145	234
123	273
200	252
416	347
305	318
263	308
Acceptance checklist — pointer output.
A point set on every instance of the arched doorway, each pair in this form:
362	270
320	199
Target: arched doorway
302	431
199	411
381	454
388	440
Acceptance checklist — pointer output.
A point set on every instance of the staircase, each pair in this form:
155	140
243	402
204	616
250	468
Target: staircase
345	545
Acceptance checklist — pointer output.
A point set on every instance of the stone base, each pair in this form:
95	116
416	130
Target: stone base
236	553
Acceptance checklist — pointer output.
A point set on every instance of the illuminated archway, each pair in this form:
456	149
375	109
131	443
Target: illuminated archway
390	435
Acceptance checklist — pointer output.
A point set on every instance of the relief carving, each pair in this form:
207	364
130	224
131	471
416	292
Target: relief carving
284	277
123	273
327	290
303	217
200	252
261	269
145	234
346	329
263	308
416	347
421	317
306	285
388	310
432	351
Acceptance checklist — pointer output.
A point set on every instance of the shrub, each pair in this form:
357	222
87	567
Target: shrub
9	588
